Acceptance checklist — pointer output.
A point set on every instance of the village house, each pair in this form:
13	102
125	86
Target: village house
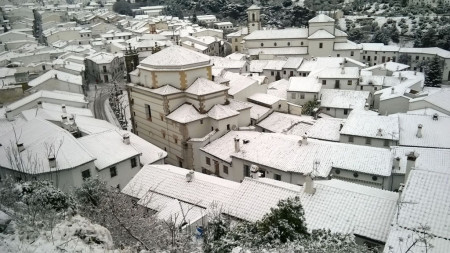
104	67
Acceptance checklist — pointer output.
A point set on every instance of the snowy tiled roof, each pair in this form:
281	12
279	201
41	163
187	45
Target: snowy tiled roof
326	129
350	99
263	98
321	34
237	82
102	57
439	99
165	90
391	66
349	45
100	146
426	50
321	18
275	64
175	57
44	94
289	156
185	114
430	159
170	181
227	63
346	72
291	33
41	139
203	86
283	123
379	47
149	152
304	84
89	125
53	112
426	202
56	74
238	105
258	111
373	126
293	63
219	112
278	88
434	132
336	205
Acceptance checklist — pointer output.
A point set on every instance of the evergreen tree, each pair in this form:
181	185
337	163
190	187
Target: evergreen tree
434	72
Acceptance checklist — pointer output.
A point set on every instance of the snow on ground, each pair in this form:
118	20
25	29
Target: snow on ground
76	234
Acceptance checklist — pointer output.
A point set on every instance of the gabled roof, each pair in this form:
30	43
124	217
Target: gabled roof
108	148
336	205
176	57
345	99
373	126
56	74
203	86
327	129
42	139
321	18
264	99
286	123
304	84
185	114
321	34
166	90
171	182
219	112
254	7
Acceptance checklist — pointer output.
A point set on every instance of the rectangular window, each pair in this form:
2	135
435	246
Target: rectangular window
337	84
104	69
417	57
277	177
228	127
345	111
368	141
86	174
349	82
291	73
338	55
302	95
148	112
386	143
113	171
293	95
352	53
284	72
225	169
350	139
328	108
272	73
364	57
208	161
320	45
133	162
324	82
246	171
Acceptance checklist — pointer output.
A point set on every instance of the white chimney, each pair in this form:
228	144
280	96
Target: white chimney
190	176
305	140
52	162
308	187
39	103
63	107
64	118
254	171
410	163
126	139
435	116
380	132
237	147
392	90
396	165
342	70
419	131
366	106
20	147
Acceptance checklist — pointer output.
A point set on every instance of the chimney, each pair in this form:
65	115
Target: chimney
435	116
254	171
64	118
39	104
20	147
419	131
308	187
237	148
190	176
396	165
392	90
410	163
305	140
126	139
366	106
52	162
341	126
380	132
63	107
342	70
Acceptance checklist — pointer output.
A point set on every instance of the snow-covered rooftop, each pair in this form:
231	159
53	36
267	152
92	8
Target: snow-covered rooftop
175	57
219	112
429	159
263	98
285	123
102	57
373	126
321	18
278	88
340	73
41	140
203	86
42	95
336	205
327	129
56	74
237	82
434	133
304	84
347	99
321	34
290	33
290	156
185	114
170	181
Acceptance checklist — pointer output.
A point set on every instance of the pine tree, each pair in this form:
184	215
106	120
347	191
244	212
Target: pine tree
434	72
